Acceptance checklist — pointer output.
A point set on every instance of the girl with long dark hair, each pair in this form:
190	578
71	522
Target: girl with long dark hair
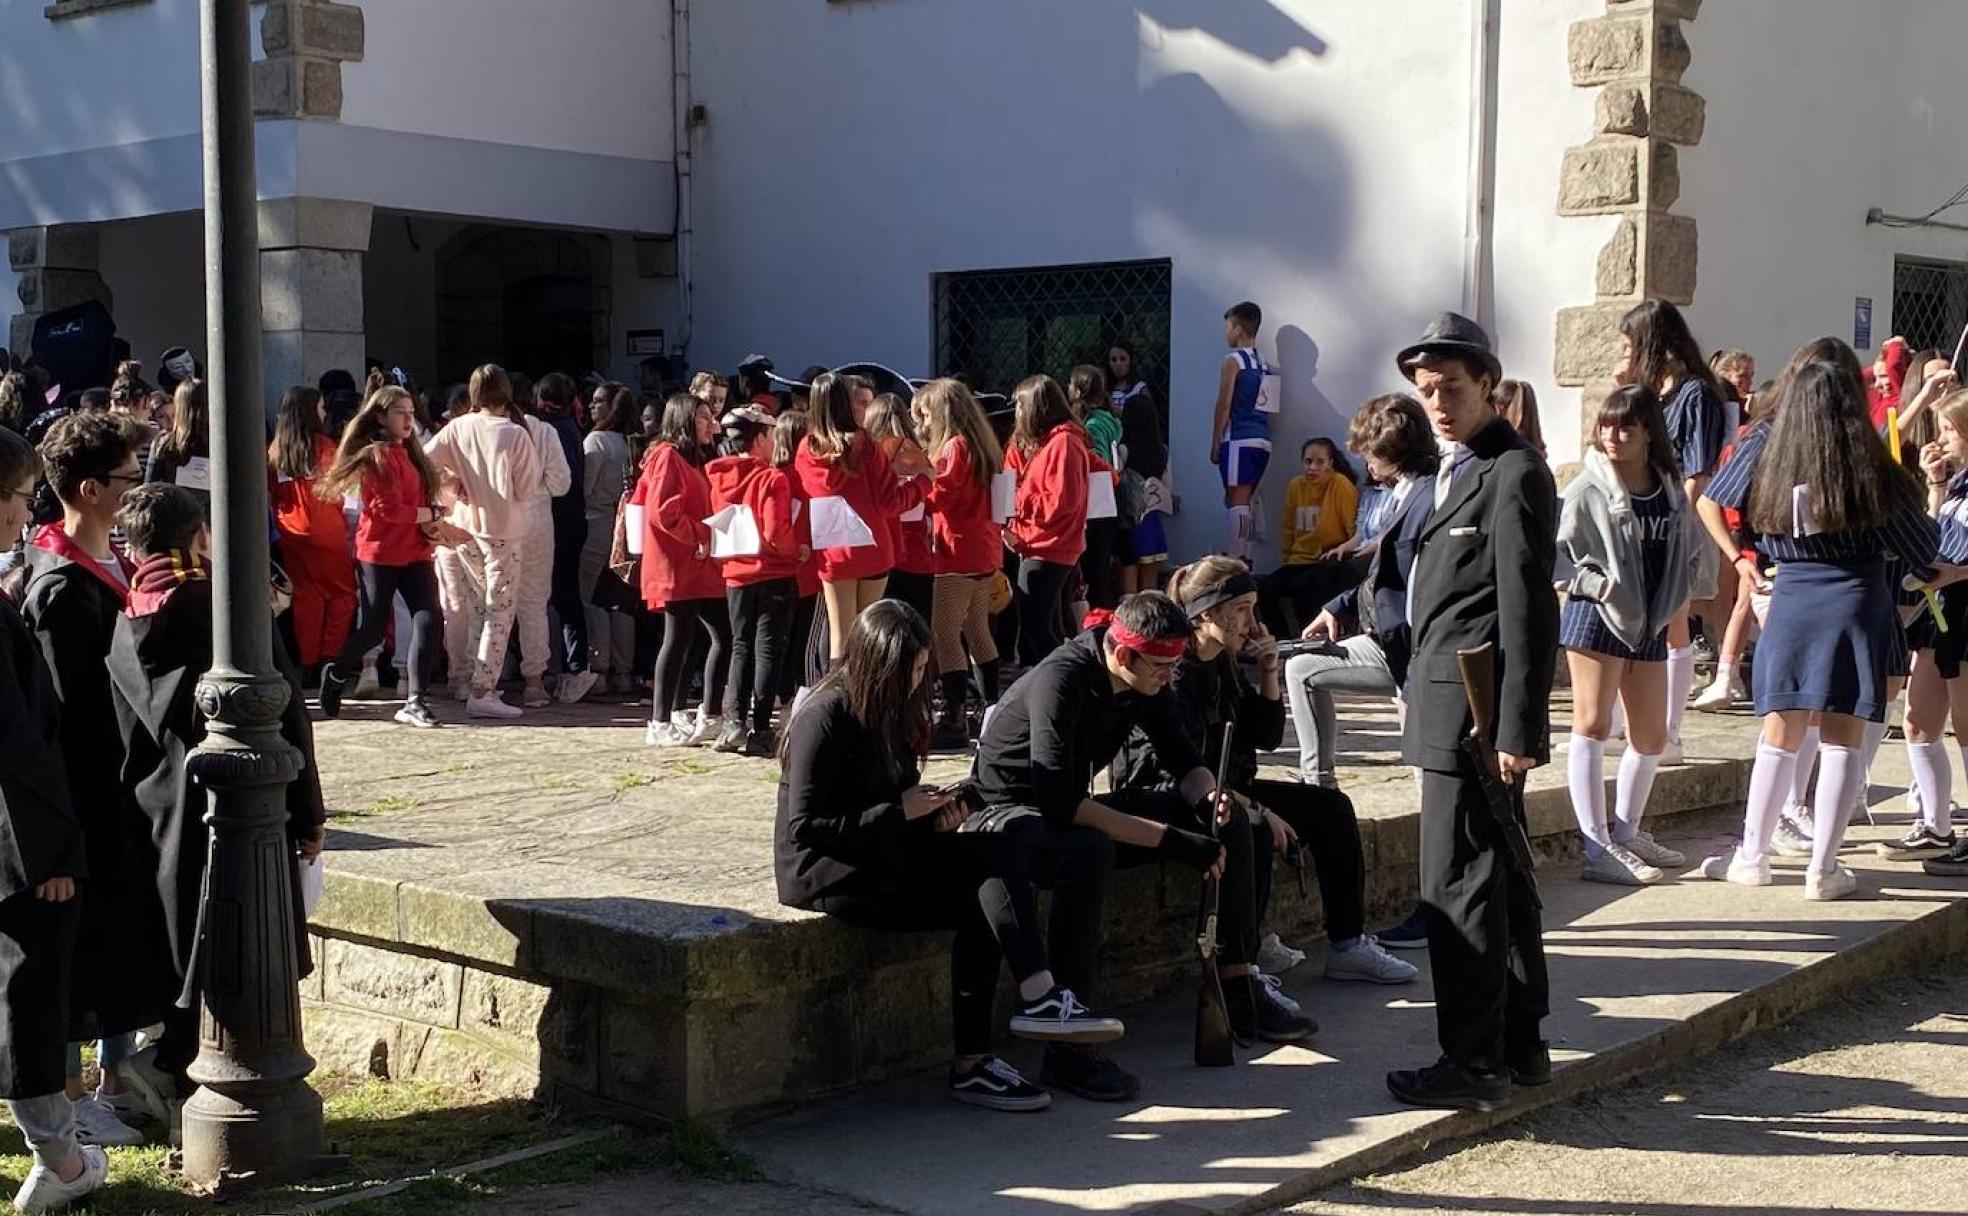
182	455
761	587
1048	523
1627	530
380	458
1828	504
913	579
679	578
314	543
858	836
969	548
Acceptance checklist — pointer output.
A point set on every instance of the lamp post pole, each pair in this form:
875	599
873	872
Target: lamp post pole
253	1118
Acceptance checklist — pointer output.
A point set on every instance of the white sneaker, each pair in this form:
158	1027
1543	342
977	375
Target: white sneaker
1793	835
96	1123
1731	867
491	705
1368	962
1671	754
1621	867
147	1092
1276	957
1646	849
1718	696
664	734
44	1191
367	685
576	685
705	732
1836	883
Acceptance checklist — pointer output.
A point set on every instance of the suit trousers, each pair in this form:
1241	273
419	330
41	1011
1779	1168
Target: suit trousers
1485	942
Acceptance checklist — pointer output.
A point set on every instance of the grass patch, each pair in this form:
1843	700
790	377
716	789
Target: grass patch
624	782
555	782
689	768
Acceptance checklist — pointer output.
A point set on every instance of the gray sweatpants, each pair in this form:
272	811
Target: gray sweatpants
48	1125
1356	664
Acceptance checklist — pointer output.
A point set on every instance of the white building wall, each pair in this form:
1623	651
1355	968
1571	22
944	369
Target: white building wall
1818	110
118	77
1312	157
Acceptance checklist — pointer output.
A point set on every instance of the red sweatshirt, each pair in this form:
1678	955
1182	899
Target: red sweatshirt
743	480
303	516
675	497
912	547
1049	512
388	532
966	539
874	492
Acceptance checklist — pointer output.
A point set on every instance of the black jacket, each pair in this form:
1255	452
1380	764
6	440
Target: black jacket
1482	573
1387	581
72	612
839	828
43	839
1060	722
1207	695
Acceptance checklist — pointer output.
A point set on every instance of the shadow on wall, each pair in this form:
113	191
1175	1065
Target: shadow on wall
1260	30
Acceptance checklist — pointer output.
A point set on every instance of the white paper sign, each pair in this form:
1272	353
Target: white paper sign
836	525
1270	392
734	532
195	474
311	872
632	522
1100	496
1004	492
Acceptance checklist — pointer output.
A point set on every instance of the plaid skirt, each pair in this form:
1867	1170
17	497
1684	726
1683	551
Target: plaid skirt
1583	627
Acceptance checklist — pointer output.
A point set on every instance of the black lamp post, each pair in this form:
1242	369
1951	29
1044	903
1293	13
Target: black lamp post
254	1118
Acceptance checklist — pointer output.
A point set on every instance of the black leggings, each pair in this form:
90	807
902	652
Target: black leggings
1237	922
1326	827
761	629
378	587
680	621
918	591
1097	563
568	598
1041	596
792	663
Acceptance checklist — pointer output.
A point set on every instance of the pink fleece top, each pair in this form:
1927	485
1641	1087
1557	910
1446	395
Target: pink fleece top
498	465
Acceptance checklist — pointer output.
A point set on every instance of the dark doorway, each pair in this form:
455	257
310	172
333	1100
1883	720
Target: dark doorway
530	300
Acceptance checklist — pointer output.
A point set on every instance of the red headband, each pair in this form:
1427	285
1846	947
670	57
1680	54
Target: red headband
1121	635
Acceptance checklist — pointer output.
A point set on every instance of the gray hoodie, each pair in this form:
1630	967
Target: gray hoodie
1599	534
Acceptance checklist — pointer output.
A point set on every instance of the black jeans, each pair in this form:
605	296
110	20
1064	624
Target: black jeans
916	590
1041	595
1097	563
1485	941
681	620
761	629
567	597
1237	926
376	592
1290	596
982	884
792	664
1329	830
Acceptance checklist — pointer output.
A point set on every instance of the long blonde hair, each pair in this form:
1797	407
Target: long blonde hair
953	411
364	441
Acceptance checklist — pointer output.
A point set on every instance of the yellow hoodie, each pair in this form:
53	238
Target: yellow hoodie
1317	517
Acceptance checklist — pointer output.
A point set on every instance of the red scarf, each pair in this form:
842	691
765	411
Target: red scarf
160	575
55	539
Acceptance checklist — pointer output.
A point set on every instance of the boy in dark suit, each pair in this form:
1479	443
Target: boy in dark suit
1482	576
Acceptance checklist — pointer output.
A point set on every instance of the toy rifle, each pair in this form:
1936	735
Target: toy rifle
1213	1038
1478	668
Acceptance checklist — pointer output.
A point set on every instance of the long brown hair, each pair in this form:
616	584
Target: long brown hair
190	433
876	672
365	440
1663	347
295	432
1916	433
1086	390
1038	406
888	418
1638	405
788	431
1517	401
492	391
1823	439
952	412
830	425
678	427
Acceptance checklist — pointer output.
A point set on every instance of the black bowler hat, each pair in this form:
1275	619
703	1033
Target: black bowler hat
1452	333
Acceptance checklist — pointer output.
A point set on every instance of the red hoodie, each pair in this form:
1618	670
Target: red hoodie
302	515
768	491
874	492
966	539
393	500
675	497
1049	512
912	548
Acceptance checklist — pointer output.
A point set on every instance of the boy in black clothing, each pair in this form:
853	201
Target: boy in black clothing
77	585
1062	721
41	861
162	646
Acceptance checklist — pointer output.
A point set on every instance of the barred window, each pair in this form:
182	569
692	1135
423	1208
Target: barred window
1930	302
996	327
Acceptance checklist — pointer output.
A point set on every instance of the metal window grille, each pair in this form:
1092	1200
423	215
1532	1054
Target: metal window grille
1930	303
995	327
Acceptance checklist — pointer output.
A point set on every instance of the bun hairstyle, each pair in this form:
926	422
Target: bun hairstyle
1210	571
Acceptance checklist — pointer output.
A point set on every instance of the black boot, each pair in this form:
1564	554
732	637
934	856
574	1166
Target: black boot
332	688
952	733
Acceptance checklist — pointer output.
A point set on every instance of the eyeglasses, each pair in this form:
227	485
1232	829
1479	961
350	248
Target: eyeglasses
1158	666
135	479
26	495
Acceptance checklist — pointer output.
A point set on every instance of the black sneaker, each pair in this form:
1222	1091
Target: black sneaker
416	713
1530	1065
762	744
994	1084
1920	843
1446	1085
1086	1073
1410	934
1257	1012
332	688
1058	1017
1953	863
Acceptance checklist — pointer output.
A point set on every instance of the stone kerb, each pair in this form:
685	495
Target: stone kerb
640	1007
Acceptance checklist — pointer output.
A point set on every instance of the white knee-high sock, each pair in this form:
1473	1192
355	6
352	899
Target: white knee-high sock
1241	526
1840	778
1875	734
1769	780
1931	778
1586	770
1799	799
1634	787
1680	680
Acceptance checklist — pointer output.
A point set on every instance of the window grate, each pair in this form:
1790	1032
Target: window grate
1930	303
995	327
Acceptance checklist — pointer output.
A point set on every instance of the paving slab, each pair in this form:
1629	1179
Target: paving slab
1640	978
